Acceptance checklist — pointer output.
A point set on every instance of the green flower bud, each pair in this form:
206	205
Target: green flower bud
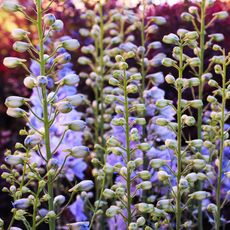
162	122
58	25
76	125
217	37
171	144
49	19
145	208
63	107
29	82
198	163
70	44
170	79
113	142
196	104
144	175
197	143
123	66
162	103
12	62
141	221
84	185
183	183
108	194
213	83
194	62
133	226
191	178
187	17
21	47
163	176
138	162
171	39
131	88
168	62
218	59
144	146
15	101
192	35
157	163
212	208
221	15
140	121
145	185
199	195
112	211
16	112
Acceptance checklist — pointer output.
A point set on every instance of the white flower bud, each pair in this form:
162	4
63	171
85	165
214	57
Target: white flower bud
132	226
168	62
144	175
108	194
191	177
131	88
199	195
159	20
78	225
155	45
193	10
186	17
141	221
76	100
163	176
196	104
222	15
14	159
76	125
21	47
201	176
145	185
63	107
136	77
113	142
19	34
144	146
16	112
181	32
49	19
123	171
191	35
70	79
11	6
58	25
145	208
12	62
33	140
84	185
218	59
23	203
59	200
170	79
161	103
212	208
138	162
112	211
171	39
63	58
216	47
162	121
15	101
157	78
213	83
70	44
171	144
29	82
157	163
194	62
183	183
197	143
217	37
109	99
78	151
198	163
84	61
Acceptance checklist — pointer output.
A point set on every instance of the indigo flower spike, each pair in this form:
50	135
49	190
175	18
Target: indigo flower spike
12	62
84	185
23	203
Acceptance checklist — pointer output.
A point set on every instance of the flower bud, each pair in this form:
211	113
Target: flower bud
49	19
213	83
162	122
193	10
144	175
84	61
76	125
59	200
196	104
221	15
217	37
108	194
194	62
113	142
84	185
12	62
138	162
194	81
163	176
23	203
155	45
140	121
16	112
131	88
70	44
171	39
141	221
144	146
139	108
216	47
33	140
21	47
14	160
78	225
218	59
78	151
145	185
63	58
63	107
157	163
171	144
112	211
198	163
42	81
19	34
197	143
29	82
183	183
191	177
159	20
212	208
70	79
145	208
123	66
15	101
170	79
11	6
201	176
57	25
162	103
157	78
199	195
191	35
168	62
186	17
76	100
132	226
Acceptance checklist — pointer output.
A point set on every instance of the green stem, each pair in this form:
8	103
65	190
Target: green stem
220	168
179	140
102	72
200	96
45	108
128	179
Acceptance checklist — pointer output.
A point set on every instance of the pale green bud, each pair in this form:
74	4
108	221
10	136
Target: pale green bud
162	103
49	19
217	37
191	35
11	6
76	125
145	208
144	146
15	101
63	107
194	81
213	83
183	183
144	175
155	45
21	47
191	177
78	151
193	10
84	61
171	144
58	25
162	122
113	142
212	208
138	162
19	34
216	47
140	121
171	39
218	59
170	79
70	44
51	215
222	15
113	81
168	62
163	176
123	66
16	112
199	195
112	211
29	82
133	226
159	20
84	185
182	32
201	176
197	143
198	163
157	163
108	194
206	76
145	185
194	62
131	88
187	17
12	62
136	77
141	221
59	200
196	104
